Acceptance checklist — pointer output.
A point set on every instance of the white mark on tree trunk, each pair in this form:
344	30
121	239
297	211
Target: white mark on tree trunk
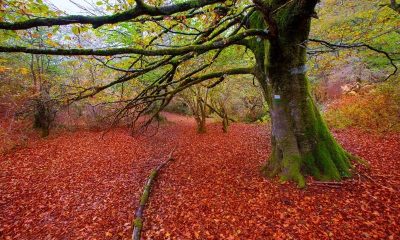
298	70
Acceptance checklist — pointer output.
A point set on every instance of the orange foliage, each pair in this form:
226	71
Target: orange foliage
377	110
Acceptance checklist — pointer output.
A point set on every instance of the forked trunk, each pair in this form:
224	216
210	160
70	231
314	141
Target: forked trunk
200	122
201	115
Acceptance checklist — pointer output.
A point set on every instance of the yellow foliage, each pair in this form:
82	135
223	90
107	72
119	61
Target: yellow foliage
24	71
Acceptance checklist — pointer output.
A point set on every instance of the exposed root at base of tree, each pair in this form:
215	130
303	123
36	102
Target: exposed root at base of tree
138	221
328	162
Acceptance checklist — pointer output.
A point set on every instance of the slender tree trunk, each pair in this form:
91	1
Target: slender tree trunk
225	120
34	78
393	4
301	142
201	124
201	115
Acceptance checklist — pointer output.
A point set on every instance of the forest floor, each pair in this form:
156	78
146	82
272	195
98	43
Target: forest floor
86	185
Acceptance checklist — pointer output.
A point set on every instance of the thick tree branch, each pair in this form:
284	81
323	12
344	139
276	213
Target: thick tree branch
198	79
219	43
97	21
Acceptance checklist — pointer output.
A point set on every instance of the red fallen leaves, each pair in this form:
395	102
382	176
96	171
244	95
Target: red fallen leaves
75	186
80	186
214	191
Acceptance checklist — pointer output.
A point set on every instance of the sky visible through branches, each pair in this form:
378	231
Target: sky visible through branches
69	7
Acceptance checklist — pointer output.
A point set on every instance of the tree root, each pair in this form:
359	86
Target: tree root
138	221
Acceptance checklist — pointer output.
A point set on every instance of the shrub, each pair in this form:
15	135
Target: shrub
377	109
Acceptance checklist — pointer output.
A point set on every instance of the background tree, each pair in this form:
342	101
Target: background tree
275	31
219	101
196	97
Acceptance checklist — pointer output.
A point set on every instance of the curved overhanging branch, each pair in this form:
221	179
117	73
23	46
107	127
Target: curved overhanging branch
174	61
216	44
144	100
165	87
140	9
198	79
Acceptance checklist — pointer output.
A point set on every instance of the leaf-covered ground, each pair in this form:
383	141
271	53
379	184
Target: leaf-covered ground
86	185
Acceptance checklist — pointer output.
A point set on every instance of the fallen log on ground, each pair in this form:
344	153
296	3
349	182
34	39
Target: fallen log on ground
138	221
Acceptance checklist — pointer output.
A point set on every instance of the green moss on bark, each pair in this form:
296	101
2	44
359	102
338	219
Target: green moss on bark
153	174
138	222
292	170
302	145
316	153
145	195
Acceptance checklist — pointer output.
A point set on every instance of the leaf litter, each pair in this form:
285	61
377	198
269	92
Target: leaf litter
84	185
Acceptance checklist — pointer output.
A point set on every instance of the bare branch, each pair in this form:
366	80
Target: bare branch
334	46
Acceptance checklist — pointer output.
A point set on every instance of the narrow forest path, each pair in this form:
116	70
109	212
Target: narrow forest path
84	185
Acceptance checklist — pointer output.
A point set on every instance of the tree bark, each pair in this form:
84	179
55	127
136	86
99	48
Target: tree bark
198	106
225	120
201	115
393	4
301	142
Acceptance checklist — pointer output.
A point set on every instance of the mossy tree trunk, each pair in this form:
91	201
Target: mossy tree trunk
44	114
301	143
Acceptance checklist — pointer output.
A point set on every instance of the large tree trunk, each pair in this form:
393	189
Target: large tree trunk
301	143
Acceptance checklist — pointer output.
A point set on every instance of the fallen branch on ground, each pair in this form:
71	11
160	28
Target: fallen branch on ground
327	184
138	222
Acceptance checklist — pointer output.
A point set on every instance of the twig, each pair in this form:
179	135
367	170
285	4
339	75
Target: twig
334	46
368	177
327	184
138	222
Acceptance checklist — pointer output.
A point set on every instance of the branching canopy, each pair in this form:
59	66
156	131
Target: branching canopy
203	28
